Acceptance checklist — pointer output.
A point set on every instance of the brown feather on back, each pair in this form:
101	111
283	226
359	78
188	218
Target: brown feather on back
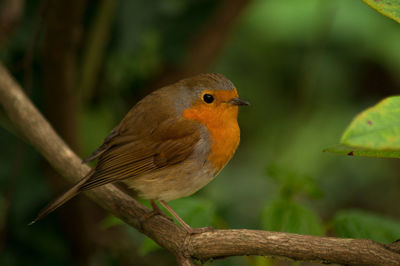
168	145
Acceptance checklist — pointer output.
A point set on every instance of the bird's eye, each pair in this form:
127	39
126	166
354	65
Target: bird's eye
208	98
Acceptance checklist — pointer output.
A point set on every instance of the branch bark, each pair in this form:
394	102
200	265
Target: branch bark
218	243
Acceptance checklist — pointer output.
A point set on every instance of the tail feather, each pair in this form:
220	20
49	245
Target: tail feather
69	194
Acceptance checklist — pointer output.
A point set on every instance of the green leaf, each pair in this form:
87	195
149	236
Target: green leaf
377	128
389	8
287	216
350	151
361	224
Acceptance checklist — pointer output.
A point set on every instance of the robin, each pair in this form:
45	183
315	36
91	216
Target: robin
169	145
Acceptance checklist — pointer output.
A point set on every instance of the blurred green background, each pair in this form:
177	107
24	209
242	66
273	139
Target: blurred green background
307	68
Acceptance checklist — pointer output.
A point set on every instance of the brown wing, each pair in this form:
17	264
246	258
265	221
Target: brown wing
129	156
148	116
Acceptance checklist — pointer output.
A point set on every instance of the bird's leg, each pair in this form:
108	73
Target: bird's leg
190	230
156	211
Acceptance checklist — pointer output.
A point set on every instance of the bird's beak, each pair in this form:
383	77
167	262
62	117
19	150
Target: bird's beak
238	102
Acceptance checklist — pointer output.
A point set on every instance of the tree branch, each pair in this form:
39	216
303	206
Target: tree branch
219	243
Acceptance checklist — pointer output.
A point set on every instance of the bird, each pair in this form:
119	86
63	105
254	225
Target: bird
169	145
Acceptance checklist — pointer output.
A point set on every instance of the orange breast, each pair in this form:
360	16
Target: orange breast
221	121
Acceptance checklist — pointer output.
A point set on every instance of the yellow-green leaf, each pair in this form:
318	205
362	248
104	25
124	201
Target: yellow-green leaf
377	128
389	8
351	151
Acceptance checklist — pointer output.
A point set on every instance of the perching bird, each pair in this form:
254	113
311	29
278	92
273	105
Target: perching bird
170	144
